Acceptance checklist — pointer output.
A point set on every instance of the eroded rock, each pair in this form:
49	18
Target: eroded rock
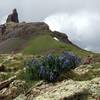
13	17
65	90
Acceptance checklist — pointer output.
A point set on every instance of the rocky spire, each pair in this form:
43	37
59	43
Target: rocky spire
13	17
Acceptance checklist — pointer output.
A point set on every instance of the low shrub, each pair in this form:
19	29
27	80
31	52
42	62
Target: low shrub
49	68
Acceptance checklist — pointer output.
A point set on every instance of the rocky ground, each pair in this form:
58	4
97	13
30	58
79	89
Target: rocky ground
83	83
65	90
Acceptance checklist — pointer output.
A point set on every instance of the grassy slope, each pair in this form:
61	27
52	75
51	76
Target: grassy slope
40	43
44	44
10	45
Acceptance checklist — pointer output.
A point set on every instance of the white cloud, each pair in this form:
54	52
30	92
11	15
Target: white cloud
81	27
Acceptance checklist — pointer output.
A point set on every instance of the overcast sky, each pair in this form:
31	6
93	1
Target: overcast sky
79	19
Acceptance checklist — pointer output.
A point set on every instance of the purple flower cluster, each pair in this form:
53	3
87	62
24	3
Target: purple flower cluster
50	67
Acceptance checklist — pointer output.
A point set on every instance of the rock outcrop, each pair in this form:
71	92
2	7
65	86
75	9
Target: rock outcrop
13	17
65	90
61	36
23	29
13	90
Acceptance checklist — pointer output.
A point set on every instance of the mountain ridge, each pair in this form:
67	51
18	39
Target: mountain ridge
23	32
33	38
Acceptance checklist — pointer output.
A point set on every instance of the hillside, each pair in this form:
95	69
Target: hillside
35	38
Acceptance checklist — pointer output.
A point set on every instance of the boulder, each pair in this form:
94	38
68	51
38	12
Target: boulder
13	17
6	83
13	90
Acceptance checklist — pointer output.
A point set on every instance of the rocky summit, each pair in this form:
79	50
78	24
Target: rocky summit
13	17
15	36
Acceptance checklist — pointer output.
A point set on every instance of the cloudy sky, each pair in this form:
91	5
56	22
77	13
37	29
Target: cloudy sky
79	19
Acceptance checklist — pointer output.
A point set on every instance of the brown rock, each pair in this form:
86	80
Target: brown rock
13	17
88	60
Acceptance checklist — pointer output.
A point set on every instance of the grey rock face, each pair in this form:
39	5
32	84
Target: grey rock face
13	17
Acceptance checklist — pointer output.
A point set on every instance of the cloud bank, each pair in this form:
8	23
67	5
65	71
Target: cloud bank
83	28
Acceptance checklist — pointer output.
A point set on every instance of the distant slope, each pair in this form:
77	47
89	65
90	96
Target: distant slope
45	44
35	38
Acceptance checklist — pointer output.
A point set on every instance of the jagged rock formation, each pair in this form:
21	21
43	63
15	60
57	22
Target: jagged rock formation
13	17
12	31
61	36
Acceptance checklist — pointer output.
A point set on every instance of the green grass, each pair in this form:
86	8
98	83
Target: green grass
25	77
44	44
